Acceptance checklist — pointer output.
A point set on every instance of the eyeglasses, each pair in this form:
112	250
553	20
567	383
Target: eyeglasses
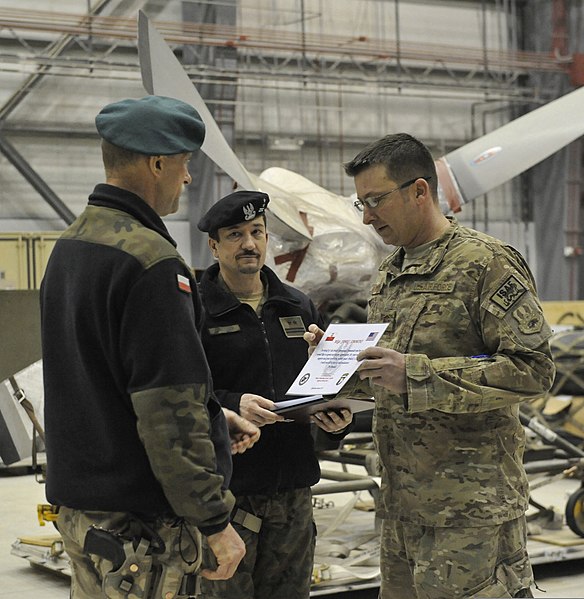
374	202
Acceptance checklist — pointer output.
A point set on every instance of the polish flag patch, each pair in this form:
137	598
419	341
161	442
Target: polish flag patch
183	283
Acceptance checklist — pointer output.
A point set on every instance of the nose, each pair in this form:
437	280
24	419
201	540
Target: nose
368	215
248	242
188	178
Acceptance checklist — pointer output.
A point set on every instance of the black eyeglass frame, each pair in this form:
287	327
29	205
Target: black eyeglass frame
374	202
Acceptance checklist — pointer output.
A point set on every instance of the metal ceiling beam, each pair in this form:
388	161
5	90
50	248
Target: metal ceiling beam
265	41
35	180
12	154
55	49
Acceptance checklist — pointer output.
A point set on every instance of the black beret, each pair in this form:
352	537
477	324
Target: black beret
235	208
153	125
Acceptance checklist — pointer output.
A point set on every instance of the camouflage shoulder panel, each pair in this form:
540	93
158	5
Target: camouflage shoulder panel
478	239
476	244
118	229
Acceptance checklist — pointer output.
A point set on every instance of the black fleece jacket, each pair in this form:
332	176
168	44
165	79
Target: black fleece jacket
120	311
249	354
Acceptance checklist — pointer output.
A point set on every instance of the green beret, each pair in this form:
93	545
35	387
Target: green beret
235	208
153	125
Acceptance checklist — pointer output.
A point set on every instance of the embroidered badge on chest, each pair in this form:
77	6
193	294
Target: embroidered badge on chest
509	292
292	326
433	287
231	328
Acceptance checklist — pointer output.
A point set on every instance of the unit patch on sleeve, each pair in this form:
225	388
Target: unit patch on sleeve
509	292
292	326
529	319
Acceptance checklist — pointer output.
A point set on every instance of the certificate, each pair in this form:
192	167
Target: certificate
335	358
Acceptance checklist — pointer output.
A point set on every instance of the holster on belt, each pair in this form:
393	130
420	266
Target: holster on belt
147	560
131	561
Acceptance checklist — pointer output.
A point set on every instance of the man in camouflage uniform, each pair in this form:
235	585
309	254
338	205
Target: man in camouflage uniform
138	455
466	342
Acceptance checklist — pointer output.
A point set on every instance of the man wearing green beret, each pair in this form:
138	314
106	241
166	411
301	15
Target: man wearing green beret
252	333
138	452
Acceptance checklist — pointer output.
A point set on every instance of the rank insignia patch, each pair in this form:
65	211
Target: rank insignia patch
509	292
292	326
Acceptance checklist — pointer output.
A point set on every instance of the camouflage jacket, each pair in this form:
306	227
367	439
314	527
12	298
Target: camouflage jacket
128	412
476	345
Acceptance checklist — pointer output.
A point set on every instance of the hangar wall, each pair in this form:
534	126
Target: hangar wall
301	84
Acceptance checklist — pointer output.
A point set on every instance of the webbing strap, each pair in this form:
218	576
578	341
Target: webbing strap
20	397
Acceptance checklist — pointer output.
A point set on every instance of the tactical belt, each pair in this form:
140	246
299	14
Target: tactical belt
248	520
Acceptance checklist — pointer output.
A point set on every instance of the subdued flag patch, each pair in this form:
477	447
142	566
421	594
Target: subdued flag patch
183	283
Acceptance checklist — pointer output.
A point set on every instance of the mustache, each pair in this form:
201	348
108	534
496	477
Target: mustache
247	254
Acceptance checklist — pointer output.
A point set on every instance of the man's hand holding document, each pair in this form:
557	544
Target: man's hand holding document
329	367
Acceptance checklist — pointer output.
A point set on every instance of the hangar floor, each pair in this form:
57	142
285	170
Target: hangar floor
558	574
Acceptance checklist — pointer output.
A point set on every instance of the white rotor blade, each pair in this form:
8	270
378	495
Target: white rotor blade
163	74
489	161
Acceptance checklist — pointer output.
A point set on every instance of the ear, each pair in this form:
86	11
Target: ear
422	189
212	246
155	164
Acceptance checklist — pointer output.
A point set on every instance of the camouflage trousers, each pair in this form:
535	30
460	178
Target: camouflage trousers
279	558
155	564
423	562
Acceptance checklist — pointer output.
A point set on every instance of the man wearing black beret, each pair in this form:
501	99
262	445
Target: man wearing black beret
252	333
138	454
